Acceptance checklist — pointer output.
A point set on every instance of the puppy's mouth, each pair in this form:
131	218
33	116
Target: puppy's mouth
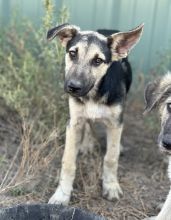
78	93
164	150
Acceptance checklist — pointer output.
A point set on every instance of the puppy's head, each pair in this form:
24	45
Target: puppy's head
158	94
89	54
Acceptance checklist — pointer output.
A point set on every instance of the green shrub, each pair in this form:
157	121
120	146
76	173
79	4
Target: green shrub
165	62
31	82
31	69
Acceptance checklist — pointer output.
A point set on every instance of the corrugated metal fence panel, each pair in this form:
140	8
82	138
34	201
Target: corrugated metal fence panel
125	15
32	9
114	14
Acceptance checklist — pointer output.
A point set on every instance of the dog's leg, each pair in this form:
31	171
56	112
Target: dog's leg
89	139
63	192
111	188
165	213
150	218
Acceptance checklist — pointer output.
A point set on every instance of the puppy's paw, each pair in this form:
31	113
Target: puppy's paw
121	148
150	218
112	190
88	145
159	206
60	197
86	149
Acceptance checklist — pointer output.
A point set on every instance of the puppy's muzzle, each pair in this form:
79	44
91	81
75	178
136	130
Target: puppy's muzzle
166	142
75	88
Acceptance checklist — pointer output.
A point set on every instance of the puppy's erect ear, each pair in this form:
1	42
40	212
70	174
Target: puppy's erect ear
64	32
121	43
151	95
155	92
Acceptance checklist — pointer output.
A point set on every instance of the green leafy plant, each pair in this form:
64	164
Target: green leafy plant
31	69
31	83
164	63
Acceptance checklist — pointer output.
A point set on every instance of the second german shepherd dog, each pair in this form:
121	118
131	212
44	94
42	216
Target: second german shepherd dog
158	94
97	78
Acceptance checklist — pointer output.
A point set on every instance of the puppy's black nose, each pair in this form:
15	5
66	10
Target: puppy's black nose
74	86
166	142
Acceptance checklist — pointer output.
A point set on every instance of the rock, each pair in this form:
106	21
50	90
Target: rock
46	212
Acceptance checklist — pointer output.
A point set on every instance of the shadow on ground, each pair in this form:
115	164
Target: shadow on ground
142	170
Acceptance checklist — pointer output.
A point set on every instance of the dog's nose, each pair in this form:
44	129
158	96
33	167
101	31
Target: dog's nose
166	142
74	86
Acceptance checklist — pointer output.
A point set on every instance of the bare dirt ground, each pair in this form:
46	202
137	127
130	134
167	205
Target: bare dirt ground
142	170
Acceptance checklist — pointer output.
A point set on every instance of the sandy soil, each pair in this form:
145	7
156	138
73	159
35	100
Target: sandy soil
142	170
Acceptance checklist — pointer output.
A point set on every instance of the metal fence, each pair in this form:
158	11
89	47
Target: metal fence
114	14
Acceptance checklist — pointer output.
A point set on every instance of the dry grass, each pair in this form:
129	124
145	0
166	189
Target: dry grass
31	149
30	164
30	173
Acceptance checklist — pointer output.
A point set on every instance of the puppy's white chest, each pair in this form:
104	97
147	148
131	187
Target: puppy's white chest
169	168
96	111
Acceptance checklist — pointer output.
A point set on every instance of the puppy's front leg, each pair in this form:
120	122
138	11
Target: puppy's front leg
89	139
111	188
165	213
63	192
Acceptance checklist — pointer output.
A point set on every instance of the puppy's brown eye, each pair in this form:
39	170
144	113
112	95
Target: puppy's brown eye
97	61
73	54
169	107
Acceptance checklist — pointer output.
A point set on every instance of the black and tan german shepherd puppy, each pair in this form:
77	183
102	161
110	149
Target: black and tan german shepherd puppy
97	78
